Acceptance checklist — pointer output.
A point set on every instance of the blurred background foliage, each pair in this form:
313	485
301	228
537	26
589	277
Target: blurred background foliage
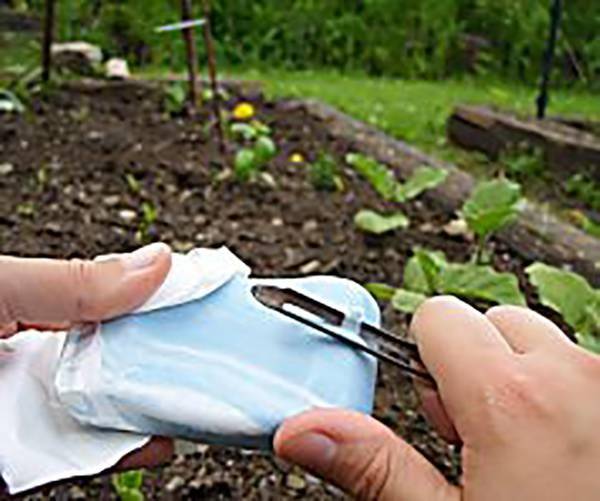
430	39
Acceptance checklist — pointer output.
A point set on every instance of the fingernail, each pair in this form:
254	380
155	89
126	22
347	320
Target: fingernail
144	257
310	450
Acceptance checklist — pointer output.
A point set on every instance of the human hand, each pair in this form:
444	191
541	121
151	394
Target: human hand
520	396
52	295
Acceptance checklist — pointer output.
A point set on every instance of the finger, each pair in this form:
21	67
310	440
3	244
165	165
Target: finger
155	453
524	329
8	329
361	456
435	412
47	291
459	347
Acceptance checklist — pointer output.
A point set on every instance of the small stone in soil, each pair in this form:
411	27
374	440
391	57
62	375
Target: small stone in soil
127	215
6	169
175	484
111	200
295	482
310	226
311	267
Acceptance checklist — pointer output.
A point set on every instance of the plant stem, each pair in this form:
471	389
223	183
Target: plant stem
480	249
212	72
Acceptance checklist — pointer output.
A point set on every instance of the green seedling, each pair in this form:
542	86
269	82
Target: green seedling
372	222
149	215
492	206
324	173
128	485
429	273
378	175
384	182
423	178
571	296
258	150
584	188
175	98
133	184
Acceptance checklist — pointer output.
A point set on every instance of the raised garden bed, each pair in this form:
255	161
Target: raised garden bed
88	158
567	149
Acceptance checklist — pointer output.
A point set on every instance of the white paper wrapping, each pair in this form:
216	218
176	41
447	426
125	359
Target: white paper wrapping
39	442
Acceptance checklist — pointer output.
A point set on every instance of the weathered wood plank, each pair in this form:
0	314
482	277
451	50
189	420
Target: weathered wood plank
567	150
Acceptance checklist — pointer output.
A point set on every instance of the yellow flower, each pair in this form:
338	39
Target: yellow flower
243	111
297	158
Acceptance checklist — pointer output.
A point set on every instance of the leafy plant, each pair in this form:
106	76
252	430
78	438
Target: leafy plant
175	98
324	173
128	485
10	103
428	273
133	184
585	189
573	297
492	206
373	222
384	182
259	148
378	175
148	218
424	178
523	163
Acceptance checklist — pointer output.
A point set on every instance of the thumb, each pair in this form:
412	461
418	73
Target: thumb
361	456
39	291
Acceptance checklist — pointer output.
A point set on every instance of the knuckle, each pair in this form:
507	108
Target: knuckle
81	278
373	475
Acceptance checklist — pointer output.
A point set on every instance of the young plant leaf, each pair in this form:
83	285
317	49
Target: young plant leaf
423	179
407	301
247	131
264	149
383	292
378	175
480	282
245	164
573	297
492	206
422	270
372	222
323	173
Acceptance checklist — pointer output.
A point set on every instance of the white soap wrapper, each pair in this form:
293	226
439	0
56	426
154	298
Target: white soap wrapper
39	441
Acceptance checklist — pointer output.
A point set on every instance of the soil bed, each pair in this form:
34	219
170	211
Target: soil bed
67	195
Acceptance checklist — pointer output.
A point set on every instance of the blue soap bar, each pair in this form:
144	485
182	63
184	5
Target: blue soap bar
223	369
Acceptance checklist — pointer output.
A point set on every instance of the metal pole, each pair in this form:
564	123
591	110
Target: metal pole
191	54
548	62
48	39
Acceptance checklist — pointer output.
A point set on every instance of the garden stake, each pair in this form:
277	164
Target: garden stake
399	353
212	73
555	16
48	39
186	27
190	47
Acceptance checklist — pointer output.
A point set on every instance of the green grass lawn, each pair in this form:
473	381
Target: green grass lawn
416	111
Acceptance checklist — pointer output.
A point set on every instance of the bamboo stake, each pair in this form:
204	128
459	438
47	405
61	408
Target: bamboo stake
212	72
191	53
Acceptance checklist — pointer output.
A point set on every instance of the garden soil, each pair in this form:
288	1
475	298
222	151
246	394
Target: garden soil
75	172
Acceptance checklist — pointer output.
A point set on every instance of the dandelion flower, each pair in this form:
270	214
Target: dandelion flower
297	158
243	111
